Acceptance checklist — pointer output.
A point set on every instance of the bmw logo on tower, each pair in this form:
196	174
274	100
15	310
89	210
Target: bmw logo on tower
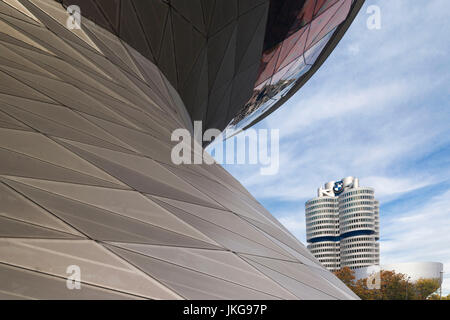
338	187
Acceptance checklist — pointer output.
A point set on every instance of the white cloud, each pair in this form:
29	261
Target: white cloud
337	102
353	49
388	187
419	234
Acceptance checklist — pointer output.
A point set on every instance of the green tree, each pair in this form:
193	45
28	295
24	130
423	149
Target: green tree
364	292
395	286
425	287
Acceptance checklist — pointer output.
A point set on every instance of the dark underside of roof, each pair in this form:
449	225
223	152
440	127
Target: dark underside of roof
210	50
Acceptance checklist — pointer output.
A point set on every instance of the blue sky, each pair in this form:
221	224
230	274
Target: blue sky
378	109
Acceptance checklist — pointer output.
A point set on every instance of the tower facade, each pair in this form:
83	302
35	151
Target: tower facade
342	225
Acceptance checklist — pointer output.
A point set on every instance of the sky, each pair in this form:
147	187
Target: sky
378	109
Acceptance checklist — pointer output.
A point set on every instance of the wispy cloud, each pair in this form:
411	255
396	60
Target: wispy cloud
419	234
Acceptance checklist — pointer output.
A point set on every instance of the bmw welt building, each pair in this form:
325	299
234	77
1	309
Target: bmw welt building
91	204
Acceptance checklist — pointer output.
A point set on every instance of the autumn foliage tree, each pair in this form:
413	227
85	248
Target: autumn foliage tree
425	287
347	276
393	286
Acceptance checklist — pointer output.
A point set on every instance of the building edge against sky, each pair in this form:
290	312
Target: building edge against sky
342	225
87	184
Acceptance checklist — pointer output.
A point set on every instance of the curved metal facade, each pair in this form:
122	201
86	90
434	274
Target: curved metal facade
86	180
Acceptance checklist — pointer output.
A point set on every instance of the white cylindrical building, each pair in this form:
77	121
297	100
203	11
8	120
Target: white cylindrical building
322	230
357	227
417	270
413	271
342	225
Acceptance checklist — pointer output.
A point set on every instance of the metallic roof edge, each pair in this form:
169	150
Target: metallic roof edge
330	46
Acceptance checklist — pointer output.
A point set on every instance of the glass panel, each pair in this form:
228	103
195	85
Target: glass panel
268	62
325	22
294	47
283	63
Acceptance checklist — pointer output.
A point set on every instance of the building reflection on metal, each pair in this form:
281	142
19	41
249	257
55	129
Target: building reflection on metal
290	57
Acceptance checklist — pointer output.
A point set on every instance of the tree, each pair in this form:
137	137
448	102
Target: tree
393	286
364	292
347	276
425	287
